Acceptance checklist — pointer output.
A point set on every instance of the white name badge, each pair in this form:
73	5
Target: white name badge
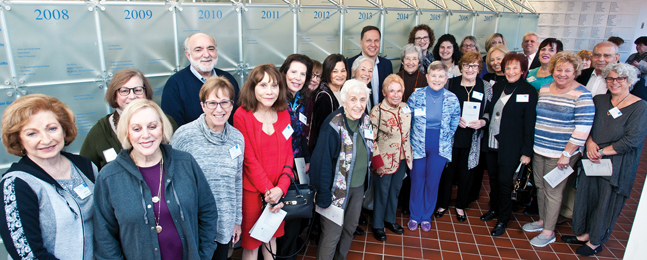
531	79
522	98
303	118
287	132
368	134
235	152
406	110
109	154
420	112
83	191
615	112
477	95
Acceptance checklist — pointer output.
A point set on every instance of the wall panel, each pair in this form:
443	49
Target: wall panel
397	25
460	24
267	34
318	31
354	21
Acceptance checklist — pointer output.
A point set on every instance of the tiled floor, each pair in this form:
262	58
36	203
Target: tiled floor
450	239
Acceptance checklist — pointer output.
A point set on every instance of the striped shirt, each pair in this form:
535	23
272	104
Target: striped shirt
562	118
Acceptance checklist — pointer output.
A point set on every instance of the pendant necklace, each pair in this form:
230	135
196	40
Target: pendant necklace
156	199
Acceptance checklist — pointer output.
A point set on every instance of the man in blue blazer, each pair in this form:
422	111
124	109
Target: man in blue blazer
370	42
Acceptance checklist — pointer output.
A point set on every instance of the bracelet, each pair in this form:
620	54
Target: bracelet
601	151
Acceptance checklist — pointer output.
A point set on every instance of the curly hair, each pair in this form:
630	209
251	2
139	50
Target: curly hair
422	27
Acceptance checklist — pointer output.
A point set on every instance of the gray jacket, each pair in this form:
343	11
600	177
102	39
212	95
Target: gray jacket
124	225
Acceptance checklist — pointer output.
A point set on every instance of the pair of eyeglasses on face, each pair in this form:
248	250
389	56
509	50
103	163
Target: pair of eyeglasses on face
470	66
618	79
124	91
211	105
315	76
422	38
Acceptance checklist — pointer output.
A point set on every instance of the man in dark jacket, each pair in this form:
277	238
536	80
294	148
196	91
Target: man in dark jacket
604	53
370	42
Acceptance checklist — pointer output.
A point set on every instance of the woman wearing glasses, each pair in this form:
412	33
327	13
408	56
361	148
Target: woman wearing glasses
101	145
218	148
423	36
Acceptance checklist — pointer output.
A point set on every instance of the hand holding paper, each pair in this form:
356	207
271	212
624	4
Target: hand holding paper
556	176
267	224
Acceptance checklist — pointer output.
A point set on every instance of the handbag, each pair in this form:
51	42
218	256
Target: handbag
298	201
521	192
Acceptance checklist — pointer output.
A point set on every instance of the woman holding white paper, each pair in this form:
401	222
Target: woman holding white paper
264	121
564	117
618	134
473	95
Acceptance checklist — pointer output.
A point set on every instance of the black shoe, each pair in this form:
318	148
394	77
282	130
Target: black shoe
490	215
394	227
379	234
585	250
439	214
531	212
461	218
572	240
362	220
499	229
359	231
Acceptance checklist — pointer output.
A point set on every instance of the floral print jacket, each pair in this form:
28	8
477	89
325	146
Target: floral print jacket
392	131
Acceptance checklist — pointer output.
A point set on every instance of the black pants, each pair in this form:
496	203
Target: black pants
222	252
477	181
501	185
287	244
458	167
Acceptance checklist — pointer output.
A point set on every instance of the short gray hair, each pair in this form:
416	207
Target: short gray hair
529	33
353	86
186	41
472	39
359	61
623	70
411	48
437	65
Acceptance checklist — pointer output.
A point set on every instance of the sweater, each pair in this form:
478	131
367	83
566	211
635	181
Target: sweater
181	95
44	220
412	82
101	137
326	103
224	172
562	119
392	135
124	224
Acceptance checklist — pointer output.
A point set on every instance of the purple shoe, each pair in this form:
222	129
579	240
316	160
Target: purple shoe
412	225
425	226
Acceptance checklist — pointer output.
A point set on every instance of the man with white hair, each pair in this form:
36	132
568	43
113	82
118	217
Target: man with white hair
180	98
604	53
529	45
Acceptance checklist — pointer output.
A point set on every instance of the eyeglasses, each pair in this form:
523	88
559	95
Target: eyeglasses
468	66
124	91
211	105
422	38
314	76
618	79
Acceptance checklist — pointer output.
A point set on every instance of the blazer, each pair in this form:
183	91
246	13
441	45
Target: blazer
584	77
517	128
384	69
535	62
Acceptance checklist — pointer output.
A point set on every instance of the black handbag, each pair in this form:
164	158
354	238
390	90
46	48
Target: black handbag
298	201
521	192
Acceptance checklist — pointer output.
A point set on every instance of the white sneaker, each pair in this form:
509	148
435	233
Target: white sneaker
541	240
533	227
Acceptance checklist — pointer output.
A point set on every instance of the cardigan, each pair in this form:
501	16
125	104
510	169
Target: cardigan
181	99
101	137
392	135
255	177
451	115
333	160
43	220
412	82
224	174
517	127
326	103
124	224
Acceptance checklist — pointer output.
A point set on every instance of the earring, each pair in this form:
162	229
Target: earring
23	152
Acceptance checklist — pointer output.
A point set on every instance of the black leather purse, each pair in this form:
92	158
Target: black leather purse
521	192
298	201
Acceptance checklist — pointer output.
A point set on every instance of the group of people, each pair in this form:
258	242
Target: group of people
187	180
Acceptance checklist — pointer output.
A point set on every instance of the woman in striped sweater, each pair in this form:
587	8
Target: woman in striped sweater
564	117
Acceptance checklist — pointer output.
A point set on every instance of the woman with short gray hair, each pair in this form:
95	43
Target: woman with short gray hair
617	134
412	72
340	162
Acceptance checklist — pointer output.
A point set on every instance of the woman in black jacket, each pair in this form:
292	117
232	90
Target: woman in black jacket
511	135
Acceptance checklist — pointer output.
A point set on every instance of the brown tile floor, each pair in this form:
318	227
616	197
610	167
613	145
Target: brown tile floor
450	239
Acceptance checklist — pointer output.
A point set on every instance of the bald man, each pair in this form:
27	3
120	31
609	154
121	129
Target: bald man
604	53
180	98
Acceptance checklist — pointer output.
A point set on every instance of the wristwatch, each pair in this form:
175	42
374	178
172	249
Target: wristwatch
566	154
601	152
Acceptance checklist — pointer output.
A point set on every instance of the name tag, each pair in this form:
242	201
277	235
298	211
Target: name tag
615	112
303	118
477	95
109	154
235	152
420	112
82	191
368	134
287	132
522	98
531	79
406	110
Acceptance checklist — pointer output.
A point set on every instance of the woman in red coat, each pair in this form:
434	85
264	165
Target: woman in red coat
265	123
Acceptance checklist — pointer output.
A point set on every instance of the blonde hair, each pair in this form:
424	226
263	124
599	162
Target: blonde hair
134	107
501	48
390	79
565	57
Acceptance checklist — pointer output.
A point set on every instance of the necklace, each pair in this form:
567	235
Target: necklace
468	91
156	198
616	106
